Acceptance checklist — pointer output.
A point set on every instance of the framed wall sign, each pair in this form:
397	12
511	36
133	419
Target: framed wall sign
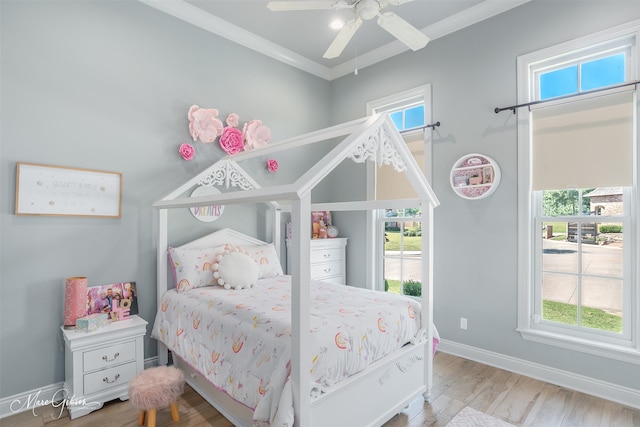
206	213
64	191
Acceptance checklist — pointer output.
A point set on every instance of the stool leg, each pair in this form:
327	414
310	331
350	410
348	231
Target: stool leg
152	418
141	417
175	415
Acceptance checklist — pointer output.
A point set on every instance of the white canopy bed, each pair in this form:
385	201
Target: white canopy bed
396	375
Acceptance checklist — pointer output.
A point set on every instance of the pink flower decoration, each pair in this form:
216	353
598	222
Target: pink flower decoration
233	120
256	135
272	165
231	140
203	124
186	151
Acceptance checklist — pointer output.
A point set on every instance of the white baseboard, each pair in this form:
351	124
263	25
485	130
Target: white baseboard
615	393
32	399
47	395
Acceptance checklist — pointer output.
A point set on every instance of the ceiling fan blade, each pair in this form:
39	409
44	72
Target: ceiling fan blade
281	6
403	31
342	39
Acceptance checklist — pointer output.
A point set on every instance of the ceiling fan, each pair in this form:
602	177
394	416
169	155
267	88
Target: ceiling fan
364	10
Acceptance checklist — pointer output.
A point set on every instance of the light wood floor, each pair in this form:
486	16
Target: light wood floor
458	382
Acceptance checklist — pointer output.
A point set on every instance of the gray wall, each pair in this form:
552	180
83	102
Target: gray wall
472	72
107	85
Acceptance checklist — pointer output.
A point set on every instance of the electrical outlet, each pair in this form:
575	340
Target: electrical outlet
463	323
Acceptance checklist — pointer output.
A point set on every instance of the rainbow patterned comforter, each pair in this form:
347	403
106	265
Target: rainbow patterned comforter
241	339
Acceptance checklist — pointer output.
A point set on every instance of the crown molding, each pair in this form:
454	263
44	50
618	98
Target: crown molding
215	25
222	28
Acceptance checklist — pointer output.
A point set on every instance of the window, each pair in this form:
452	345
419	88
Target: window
395	233
587	74
408	116
578	189
402	252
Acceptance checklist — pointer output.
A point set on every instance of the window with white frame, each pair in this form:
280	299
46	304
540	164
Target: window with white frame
395	233
578	195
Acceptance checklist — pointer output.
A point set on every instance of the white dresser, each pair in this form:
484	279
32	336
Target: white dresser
328	260
99	364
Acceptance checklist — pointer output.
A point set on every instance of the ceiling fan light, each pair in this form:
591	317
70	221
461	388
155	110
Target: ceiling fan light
336	24
368	12
367	9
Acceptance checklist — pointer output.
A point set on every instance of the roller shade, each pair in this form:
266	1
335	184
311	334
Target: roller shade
584	144
393	185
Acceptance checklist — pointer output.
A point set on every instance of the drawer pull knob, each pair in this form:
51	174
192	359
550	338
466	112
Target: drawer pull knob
106	358
327	255
327	270
106	380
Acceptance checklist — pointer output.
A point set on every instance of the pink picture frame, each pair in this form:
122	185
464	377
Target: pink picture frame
118	300
320	220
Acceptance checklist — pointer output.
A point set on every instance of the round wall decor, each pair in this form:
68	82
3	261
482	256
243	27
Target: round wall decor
475	176
206	213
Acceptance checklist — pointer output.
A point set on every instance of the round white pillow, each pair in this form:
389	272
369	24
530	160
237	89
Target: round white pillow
235	270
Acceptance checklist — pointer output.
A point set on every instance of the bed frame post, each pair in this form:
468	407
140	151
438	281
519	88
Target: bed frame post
300	323
427	293
161	279
276	239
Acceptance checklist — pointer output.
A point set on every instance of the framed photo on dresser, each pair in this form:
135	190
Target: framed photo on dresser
118	300
320	221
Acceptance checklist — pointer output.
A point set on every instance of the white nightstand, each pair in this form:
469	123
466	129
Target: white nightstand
328	260
99	365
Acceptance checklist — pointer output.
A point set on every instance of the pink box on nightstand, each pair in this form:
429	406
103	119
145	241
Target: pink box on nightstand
92	322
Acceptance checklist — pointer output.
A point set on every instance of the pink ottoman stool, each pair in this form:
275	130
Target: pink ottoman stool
156	388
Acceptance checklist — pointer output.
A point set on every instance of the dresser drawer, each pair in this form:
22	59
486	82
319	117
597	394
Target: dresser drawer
332	279
326	255
107	378
327	269
109	356
327	259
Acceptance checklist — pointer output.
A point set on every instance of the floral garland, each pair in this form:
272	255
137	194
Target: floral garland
272	165
186	151
205	125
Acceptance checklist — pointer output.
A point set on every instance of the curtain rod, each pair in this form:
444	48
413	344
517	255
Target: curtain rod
432	125
514	107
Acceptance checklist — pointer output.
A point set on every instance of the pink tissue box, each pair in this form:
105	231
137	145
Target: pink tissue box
92	322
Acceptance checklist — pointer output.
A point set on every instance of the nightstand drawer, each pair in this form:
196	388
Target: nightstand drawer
325	255
107	378
109	356
327	269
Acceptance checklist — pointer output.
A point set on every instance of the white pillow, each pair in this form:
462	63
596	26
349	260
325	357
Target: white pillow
235	269
192	267
267	259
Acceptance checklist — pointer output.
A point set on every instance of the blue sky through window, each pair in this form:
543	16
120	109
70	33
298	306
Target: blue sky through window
408	118
559	82
603	72
593	75
414	117
397	119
